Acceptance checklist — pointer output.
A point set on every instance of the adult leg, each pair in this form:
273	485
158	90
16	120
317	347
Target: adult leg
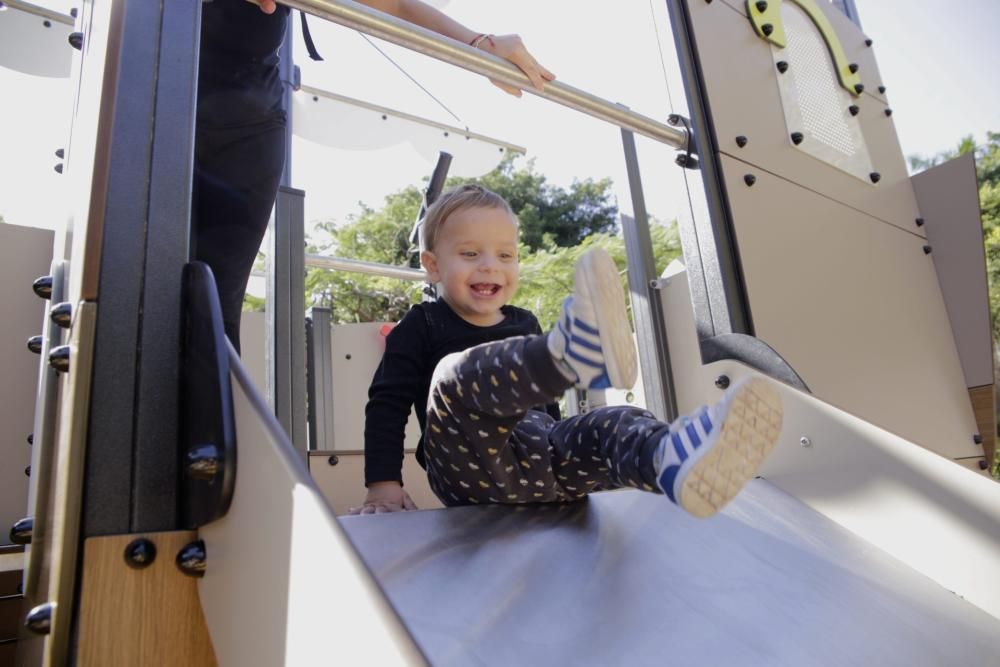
236	175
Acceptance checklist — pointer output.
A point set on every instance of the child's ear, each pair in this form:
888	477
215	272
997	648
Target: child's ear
429	262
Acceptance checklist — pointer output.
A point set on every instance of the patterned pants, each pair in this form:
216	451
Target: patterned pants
485	445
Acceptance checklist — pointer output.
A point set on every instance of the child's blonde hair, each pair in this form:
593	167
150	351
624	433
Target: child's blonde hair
455	200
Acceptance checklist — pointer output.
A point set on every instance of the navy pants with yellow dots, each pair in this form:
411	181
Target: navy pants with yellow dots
486	445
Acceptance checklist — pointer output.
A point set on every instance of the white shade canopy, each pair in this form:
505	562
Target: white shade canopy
34	40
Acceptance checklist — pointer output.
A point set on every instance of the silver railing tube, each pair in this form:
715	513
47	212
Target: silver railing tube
387	27
371	268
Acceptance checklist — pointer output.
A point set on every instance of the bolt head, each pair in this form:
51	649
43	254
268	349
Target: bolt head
978	439
875	177
854	109
868	42
920	222
761	6
881	89
722	382
782	66
42	287
333	460
805	441
140	553
191	559
75	40
888	112
927	249
749	179
983	465
797	138
859	88
35	344
39	619
741	141
767	29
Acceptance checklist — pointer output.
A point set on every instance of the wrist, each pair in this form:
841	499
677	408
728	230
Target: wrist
479	40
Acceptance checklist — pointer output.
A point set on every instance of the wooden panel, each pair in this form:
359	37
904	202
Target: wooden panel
983	406
853	304
343	485
128	615
744	99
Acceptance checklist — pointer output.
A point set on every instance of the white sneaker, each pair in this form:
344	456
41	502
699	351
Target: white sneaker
592	338
708	457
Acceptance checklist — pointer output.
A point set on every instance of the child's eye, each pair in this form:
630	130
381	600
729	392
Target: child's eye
468	253
506	256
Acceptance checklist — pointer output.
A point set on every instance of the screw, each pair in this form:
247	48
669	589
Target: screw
749	179
976	438
60	153
888	112
75	40
681	160
31	438
42	287
20	532
722	382
62	314
35	344
881	89
983	465
859	88
333	460
853	109
39	619
385	117
27	471
58	168
927	250
140	553
782	66
203	462
761	6
191	559
741	141
47	23
59	358
347	356
920	222
797	138
875	176
767	29
853	67
868	42
805	441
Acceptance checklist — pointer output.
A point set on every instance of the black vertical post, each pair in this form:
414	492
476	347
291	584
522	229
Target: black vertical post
130	483
718	293
647	308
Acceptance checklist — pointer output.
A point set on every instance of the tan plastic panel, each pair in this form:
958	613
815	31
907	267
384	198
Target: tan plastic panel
854	306
27	255
343	485
356	350
852	39
949	200
283	585
744	99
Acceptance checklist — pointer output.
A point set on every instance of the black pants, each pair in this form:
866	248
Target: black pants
484	444
237	169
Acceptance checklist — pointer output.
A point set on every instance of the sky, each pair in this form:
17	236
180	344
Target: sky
939	68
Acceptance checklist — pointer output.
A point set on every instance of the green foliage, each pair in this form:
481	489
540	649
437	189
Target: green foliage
552	218
567	217
547	275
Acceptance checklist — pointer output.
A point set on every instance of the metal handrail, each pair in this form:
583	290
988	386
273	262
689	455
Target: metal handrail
359	266
375	23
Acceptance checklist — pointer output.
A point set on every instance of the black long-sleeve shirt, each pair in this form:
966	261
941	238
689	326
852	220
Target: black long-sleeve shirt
426	334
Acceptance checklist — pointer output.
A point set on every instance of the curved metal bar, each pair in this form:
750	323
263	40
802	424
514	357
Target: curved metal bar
397	31
371	268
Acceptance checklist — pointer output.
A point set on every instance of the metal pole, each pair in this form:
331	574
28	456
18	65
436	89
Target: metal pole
359	266
647	308
286	362
320	379
397	31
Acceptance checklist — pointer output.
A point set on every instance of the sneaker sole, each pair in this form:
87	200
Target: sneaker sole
749	432
597	272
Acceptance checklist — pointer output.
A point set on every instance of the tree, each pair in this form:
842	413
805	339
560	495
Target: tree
550	216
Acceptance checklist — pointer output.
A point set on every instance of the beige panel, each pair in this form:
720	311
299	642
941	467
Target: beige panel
949	200
343	485
976	466
253	346
983	401
27	255
854	306
852	39
127	616
356	350
283	585
744	99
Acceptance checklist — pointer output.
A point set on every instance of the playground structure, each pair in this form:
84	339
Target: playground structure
858	511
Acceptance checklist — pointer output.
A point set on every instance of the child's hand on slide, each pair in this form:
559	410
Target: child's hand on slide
385	497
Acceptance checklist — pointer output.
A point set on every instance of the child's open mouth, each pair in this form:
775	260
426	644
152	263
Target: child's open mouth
485	289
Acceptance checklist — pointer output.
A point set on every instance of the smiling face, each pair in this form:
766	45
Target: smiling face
475	261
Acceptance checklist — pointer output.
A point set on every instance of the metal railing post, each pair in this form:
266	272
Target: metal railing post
320	377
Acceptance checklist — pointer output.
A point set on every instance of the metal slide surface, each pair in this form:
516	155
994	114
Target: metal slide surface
627	578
